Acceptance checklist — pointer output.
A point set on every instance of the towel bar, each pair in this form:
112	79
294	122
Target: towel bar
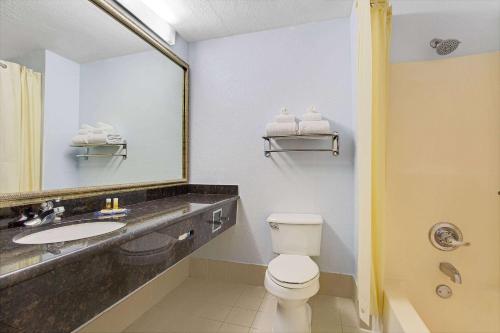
87	146
334	140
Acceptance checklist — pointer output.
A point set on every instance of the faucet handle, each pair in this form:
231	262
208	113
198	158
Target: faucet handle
446	237
456	243
46	205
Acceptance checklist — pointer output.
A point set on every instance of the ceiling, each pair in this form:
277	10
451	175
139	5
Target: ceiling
75	29
475	23
198	20
78	30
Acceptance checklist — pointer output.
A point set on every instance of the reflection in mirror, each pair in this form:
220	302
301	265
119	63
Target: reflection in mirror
84	101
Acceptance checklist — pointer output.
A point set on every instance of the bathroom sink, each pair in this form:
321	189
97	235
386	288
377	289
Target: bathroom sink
68	233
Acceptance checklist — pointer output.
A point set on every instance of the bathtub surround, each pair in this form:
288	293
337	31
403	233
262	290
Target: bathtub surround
70	283
443	165
238	84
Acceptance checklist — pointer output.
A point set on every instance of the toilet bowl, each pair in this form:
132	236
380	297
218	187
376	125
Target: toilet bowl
292	279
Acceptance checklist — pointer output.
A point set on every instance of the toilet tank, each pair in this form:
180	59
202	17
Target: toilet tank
296	233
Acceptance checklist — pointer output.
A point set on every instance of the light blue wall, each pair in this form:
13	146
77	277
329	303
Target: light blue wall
60	121
238	84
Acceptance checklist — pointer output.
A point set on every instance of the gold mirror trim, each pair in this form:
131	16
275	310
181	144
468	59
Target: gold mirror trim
123	17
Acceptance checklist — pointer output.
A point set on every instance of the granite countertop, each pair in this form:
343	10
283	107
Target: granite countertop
20	262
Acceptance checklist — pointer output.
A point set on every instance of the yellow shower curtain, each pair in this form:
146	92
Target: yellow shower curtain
20	128
381	17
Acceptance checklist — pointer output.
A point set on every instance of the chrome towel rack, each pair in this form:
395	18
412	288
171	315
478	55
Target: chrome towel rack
88	146
334	137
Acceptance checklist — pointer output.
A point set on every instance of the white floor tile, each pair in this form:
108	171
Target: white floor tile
214	311
205	306
263	321
241	317
230	328
269	304
247	301
255	291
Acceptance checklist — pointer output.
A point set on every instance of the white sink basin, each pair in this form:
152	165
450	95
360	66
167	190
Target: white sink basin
69	233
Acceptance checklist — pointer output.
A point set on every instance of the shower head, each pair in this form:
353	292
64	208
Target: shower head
444	46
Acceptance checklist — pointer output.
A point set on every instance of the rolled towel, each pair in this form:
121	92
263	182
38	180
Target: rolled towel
311	115
314	127
105	127
87	127
281	129
80	139
95	138
284	117
84	131
114	139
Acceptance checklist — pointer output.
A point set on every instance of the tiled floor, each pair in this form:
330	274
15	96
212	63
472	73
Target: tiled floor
199	306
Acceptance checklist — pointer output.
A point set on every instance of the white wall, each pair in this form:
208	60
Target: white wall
60	121
238	84
142	96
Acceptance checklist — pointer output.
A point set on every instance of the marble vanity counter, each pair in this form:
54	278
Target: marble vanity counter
19	262
68	283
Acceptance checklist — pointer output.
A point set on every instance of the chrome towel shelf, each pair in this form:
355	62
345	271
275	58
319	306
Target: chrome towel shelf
88	146
334	137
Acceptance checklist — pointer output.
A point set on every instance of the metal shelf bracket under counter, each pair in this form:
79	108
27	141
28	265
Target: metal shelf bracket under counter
72	282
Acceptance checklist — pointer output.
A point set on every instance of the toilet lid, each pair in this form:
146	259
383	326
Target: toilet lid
293	269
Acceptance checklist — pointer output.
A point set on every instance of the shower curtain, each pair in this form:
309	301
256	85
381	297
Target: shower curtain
372	26
381	26
20	128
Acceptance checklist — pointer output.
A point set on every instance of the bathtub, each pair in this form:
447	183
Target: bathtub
399	314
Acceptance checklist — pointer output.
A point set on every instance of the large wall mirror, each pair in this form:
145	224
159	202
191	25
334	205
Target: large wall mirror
89	100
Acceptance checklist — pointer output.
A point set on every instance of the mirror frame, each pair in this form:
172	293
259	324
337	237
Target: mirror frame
120	14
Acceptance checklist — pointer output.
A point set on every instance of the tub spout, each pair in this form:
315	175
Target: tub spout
450	271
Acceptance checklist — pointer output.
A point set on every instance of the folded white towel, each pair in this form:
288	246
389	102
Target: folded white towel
311	116
314	127
114	139
84	131
79	139
97	138
105	127
281	129
285	118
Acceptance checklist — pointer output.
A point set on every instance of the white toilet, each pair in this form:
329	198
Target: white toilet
293	277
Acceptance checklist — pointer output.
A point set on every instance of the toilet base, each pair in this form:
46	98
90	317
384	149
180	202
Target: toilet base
293	314
292	317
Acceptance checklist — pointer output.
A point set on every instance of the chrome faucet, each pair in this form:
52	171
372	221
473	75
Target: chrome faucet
47	213
450	271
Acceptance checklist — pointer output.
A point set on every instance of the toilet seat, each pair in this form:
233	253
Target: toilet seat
293	271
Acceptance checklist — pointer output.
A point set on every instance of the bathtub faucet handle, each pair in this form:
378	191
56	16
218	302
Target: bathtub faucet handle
446	236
